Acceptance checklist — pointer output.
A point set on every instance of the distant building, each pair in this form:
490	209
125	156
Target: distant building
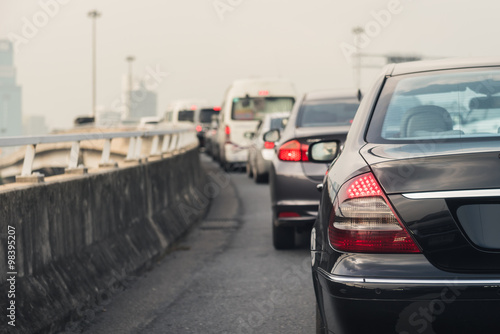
107	118
143	102
35	125
10	93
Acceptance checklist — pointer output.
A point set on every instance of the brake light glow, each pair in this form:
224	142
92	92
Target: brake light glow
363	220
227	130
217	108
199	128
268	144
263	92
293	151
287	214
194	107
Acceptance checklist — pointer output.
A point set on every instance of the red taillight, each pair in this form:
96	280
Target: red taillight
363	221
199	128
227	130
217	108
293	151
268	144
287	214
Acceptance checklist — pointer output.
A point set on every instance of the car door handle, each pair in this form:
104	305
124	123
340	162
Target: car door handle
319	187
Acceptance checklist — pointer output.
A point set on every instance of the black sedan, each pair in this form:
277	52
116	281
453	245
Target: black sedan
292	177
407	238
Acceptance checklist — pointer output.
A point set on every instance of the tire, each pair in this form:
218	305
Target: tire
257	177
227	166
320	325
249	170
283	237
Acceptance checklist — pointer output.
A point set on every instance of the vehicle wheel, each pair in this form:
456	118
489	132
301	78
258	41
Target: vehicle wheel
283	237
257	177
320	325
249	170
226	166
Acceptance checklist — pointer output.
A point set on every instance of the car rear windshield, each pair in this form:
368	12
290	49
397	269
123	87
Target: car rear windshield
445	105
186	115
206	115
329	112
254	108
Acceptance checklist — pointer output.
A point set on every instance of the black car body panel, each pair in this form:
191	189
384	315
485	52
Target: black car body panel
445	192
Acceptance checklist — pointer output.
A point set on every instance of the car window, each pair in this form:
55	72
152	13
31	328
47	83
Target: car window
444	105
327	112
277	123
254	108
206	115
186	115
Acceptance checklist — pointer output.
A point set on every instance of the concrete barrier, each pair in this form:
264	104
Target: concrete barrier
78	240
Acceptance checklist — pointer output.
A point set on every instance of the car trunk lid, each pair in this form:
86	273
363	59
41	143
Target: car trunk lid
448	196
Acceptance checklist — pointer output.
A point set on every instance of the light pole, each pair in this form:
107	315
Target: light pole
357	31
94	15
129	59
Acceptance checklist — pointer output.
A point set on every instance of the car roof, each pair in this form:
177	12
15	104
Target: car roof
442	64
331	94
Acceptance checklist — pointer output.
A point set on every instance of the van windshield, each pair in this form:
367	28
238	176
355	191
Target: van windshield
186	115
206	115
254	108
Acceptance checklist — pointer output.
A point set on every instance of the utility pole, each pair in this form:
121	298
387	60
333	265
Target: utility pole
94	15
357	31
129	59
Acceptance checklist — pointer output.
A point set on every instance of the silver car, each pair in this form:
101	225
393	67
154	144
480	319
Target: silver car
261	152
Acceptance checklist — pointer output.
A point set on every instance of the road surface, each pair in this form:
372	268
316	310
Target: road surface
223	277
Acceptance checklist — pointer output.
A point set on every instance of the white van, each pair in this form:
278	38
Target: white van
245	103
183	111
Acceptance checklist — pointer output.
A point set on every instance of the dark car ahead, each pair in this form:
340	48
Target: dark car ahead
408	233
292	177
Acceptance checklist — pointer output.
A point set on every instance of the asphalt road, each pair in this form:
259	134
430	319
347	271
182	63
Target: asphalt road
223	277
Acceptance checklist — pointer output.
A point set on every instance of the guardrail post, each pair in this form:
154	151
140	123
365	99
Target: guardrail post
73	160
180	141
26	173
154	147
131	149
173	142
138	147
165	144
106	152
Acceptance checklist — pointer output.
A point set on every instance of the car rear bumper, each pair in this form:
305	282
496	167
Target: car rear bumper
446	304
234	153
307	211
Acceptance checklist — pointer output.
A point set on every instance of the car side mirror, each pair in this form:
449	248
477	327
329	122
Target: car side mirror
323	151
249	135
272	135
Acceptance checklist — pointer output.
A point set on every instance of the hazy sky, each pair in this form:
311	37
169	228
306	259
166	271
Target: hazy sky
203	45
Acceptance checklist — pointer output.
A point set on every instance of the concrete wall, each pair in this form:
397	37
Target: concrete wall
78	239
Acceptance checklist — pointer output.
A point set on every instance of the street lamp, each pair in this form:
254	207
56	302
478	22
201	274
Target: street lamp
357	31
129	59
94	15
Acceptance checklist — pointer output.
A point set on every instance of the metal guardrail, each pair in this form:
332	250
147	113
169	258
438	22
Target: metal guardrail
171	140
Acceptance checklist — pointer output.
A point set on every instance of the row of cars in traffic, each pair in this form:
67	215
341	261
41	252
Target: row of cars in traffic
402	192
